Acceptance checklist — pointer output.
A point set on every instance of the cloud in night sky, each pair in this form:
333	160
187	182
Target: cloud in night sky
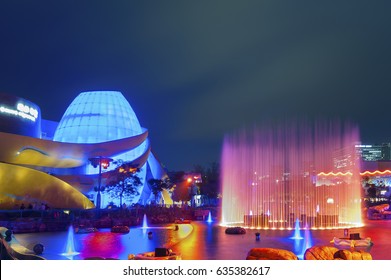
196	70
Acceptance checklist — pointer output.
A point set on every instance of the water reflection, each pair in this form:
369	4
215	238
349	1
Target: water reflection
104	244
207	241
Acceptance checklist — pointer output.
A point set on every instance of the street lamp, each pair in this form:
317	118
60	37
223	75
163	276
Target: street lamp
101	162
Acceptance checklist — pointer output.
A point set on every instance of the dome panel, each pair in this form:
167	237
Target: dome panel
108	111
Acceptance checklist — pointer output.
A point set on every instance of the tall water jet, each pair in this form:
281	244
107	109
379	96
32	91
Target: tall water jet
70	251
289	171
144	226
209	220
145	223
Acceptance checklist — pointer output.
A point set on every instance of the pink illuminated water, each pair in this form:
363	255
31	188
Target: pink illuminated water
273	176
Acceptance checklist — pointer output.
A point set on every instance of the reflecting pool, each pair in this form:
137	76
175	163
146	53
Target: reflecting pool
202	241
104	243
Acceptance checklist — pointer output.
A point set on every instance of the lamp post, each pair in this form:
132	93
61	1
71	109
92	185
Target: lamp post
105	163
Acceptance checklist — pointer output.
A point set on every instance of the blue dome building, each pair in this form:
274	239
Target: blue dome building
96	125
103	116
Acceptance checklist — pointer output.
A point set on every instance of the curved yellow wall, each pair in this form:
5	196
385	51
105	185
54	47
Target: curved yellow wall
24	185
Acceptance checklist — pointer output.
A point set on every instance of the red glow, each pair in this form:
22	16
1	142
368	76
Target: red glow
102	244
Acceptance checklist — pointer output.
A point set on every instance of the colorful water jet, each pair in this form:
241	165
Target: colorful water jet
209	220
292	171
307	242
297	234
70	251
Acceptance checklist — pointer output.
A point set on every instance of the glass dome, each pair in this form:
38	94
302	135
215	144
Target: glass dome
97	116
101	116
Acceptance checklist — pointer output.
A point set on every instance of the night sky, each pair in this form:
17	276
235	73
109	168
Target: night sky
195	70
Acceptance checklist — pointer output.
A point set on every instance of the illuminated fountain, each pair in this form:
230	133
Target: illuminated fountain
307	242
297	234
209	220
70	251
145	223
275	175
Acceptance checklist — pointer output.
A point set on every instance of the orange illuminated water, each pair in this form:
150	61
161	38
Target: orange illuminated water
273	176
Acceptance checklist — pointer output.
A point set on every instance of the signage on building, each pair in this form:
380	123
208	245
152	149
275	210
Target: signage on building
21	111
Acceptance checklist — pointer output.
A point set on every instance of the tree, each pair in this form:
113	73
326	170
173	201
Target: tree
181	192
124	182
158	185
210	186
180	186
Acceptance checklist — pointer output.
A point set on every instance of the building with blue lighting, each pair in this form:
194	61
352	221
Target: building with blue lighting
42	161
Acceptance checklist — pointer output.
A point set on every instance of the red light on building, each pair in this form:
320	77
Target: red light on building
104	162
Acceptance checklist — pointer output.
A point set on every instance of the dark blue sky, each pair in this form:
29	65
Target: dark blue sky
196	70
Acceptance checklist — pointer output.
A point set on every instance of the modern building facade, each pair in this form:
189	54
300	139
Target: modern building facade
55	158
